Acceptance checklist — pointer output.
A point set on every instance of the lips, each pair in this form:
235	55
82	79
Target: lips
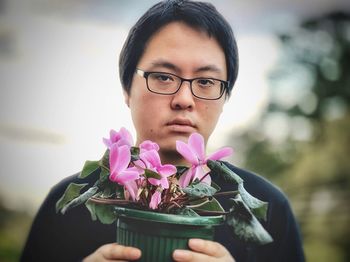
182	125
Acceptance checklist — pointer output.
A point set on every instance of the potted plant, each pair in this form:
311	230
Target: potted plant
158	207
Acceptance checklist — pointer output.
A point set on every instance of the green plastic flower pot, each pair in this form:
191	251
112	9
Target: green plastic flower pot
158	235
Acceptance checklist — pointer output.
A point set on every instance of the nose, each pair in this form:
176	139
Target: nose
183	99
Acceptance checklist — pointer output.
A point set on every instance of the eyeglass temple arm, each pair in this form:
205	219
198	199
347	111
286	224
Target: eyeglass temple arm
140	72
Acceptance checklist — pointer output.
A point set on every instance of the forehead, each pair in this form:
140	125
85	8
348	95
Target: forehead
183	46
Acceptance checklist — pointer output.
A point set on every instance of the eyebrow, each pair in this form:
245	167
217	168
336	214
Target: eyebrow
165	64
171	66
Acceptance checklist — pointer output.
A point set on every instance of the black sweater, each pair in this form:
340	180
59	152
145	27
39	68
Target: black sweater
73	236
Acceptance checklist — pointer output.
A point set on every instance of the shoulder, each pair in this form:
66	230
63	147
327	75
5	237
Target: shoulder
58	189
259	186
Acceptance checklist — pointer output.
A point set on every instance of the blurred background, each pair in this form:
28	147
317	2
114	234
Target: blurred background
288	118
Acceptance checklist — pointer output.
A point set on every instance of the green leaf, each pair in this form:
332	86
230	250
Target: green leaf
245	225
212	205
104	213
110	189
80	199
216	186
221	170
181	170
200	189
104	161
91	207
151	174
135	152
104	174
119	191
185	211
108	192
72	191
258	207
89	168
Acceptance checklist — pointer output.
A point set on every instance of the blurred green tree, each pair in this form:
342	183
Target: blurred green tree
14	227
302	142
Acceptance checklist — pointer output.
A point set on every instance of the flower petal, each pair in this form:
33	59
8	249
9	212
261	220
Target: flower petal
198	172
159	182
126	176
154	181
132	188
185	179
114	136
196	143
152	157
107	142
119	158
113	177
186	152
207	180
155	199
148	145
113	156
140	164
126	136
221	153
164	182
166	170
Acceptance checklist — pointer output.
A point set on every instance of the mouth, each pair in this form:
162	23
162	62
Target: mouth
181	125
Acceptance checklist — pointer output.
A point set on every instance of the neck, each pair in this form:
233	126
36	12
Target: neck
172	157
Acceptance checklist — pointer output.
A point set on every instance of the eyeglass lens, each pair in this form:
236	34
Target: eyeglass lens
206	88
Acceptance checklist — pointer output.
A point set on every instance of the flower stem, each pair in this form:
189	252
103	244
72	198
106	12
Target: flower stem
204	176
200	204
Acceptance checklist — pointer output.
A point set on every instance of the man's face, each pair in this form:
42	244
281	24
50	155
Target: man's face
181	50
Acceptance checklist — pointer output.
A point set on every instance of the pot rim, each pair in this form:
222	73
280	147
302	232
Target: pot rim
146	215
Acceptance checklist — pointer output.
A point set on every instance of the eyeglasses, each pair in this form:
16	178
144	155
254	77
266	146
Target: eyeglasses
169	84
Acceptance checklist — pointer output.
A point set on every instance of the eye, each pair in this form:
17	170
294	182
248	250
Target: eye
205	82
163	78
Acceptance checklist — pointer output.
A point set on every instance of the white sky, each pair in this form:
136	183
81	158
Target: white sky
60	94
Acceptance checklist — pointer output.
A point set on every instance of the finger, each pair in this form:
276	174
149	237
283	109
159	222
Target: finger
180	255
115	251
210	248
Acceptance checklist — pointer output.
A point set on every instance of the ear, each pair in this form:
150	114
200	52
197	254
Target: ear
126	98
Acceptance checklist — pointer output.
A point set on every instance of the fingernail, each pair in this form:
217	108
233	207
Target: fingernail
135	253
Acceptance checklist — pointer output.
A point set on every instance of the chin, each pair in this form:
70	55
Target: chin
168	145
168	142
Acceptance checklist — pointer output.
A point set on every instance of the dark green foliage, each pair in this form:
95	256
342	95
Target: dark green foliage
199	190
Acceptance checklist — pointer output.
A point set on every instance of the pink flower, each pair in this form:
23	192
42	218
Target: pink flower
120	172
123	137
194	153
132	188
148	145
151	160
155	199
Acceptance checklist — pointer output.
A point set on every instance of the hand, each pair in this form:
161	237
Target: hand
203	250
114	252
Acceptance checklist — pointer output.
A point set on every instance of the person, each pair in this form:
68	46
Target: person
187	46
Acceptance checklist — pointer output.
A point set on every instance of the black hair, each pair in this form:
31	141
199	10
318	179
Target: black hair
199	15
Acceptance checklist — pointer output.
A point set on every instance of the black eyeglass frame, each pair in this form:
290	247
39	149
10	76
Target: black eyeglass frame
224	84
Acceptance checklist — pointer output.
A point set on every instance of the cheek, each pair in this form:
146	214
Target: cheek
211	113
210	116
146	115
